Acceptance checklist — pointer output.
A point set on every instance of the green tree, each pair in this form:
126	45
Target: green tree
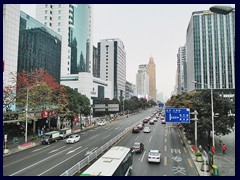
201	101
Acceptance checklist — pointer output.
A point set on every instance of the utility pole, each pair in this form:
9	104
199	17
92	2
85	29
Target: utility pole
195	113
26	111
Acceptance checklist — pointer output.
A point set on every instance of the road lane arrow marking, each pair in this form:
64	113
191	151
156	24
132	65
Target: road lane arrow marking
74	150
56	149
40	148
177	158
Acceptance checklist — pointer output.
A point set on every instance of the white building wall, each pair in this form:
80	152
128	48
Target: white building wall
87	85
11	17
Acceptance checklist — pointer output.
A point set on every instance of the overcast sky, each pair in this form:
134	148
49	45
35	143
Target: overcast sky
156	30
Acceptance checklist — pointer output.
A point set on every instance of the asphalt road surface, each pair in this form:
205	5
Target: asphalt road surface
56	158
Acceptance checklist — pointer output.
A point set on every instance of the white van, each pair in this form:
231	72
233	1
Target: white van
65	132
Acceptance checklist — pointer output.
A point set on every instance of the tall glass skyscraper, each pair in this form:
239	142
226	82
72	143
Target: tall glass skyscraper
74	23
39	47
210	51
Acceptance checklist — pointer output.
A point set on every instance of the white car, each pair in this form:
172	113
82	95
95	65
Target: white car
147	130
101	123
73	138
154	156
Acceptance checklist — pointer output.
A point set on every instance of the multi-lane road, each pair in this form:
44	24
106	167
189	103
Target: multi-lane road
54	159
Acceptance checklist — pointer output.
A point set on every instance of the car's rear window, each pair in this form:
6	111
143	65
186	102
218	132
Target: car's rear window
154	154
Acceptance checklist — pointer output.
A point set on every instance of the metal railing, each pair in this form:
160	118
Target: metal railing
94	155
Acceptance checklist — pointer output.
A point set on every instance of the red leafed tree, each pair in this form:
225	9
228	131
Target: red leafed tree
40	89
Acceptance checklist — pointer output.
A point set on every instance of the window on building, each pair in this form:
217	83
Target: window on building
50	12
45	11
50	18
50	24
59	24
45	17
45	23
59	11
59	5
59	17
51	6
46	5
59	30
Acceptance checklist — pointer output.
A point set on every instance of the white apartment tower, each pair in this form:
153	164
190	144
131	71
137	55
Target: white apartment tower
113	65
11	18
74	23
142	81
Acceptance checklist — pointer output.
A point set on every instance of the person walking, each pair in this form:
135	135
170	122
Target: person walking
224	148
213	149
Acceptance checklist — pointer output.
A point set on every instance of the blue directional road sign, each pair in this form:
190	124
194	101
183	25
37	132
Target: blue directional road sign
177	115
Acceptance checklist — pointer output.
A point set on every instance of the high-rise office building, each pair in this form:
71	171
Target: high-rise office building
39	47
152	79
11	14
210	51
113	65
142	81
74	23
181	59
96	62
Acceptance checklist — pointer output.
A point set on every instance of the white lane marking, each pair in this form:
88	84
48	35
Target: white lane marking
117	128
165	161
56	150
106	137
165	140
73	150
63	161
165	149
40	148
190	163
181	141
38	162
143	155
107	128
150	138
136	138
185	150
165	134
93	136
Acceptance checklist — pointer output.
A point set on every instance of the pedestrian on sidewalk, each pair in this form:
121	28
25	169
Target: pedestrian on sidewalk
213	150
224	148
200	148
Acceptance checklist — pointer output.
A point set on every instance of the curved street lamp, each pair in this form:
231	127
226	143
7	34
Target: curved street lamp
221	9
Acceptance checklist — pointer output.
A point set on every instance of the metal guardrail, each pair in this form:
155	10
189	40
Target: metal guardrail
77	167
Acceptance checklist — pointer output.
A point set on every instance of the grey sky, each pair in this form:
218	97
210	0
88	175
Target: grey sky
156	30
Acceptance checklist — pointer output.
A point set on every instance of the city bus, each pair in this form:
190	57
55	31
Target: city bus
115	162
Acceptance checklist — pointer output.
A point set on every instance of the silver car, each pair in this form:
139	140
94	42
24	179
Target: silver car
73	138
154	156
147	130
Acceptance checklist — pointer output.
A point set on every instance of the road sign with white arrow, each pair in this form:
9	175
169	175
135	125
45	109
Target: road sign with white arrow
74	150
177	115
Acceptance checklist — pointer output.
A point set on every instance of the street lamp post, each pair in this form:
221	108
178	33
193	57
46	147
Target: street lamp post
195	113
26	126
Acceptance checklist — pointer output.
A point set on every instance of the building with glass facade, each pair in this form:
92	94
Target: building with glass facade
181	67
74	23
39	47
210	51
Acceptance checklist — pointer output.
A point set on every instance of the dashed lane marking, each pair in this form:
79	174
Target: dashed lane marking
190	163
165	161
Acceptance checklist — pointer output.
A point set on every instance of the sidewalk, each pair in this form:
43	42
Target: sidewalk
225	162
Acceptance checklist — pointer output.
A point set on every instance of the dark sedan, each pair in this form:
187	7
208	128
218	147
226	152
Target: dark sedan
135	130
